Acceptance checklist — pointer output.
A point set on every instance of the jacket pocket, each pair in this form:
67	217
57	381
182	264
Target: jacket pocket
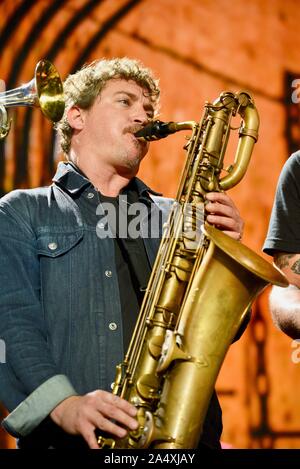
59	284
56	244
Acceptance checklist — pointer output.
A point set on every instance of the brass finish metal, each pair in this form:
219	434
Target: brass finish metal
222	289
201	286
45	90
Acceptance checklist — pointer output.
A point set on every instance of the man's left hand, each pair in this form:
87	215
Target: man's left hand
223	214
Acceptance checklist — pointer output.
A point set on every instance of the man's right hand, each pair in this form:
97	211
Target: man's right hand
82	415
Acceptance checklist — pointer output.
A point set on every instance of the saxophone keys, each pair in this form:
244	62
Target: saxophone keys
148	387
170	352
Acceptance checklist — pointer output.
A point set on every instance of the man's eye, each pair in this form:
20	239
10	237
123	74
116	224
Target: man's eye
124	101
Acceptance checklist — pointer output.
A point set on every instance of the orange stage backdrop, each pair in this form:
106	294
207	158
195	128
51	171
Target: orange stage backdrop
198	49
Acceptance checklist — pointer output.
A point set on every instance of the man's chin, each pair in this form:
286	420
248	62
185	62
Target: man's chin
134	165
134	161
129	167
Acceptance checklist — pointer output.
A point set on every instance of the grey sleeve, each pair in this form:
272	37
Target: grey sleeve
284	227
35	408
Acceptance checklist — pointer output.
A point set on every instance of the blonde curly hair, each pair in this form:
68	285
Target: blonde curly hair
82	88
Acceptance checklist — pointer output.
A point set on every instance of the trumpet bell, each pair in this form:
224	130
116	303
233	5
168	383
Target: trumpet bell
49	90
45	90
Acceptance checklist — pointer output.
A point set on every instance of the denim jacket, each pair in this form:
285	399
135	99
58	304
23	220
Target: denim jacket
59	297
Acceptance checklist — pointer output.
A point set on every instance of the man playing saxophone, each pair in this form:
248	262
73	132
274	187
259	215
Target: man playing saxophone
70	296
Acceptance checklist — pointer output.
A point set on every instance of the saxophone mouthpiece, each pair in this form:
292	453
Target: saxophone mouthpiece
156	130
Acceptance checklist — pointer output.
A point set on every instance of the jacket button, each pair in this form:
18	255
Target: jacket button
112	326
108	273
52	246
90	195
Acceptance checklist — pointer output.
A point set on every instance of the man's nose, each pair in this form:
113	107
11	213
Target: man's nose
141	117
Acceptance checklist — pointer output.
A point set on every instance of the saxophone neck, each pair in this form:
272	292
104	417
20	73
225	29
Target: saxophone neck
210	138
248	136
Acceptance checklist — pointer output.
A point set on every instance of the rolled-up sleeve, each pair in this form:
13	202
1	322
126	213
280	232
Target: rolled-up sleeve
35	408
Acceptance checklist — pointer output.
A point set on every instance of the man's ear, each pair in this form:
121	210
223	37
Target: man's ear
75	116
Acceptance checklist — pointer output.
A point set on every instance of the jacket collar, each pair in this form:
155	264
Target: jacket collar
71	179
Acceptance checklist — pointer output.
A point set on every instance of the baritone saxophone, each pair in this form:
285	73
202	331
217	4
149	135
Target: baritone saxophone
201	287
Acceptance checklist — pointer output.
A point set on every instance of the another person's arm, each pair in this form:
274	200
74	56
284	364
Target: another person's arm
283	243
285	302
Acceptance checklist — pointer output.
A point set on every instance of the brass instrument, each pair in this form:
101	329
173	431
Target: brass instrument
45	90
201	287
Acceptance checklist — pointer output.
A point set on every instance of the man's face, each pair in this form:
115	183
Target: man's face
118	112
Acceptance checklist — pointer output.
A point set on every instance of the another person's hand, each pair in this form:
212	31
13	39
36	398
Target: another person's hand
223	214
82	415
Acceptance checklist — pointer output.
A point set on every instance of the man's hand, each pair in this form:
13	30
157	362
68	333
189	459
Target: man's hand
223	214
84	414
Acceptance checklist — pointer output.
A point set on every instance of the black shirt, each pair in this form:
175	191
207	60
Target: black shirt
130	256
